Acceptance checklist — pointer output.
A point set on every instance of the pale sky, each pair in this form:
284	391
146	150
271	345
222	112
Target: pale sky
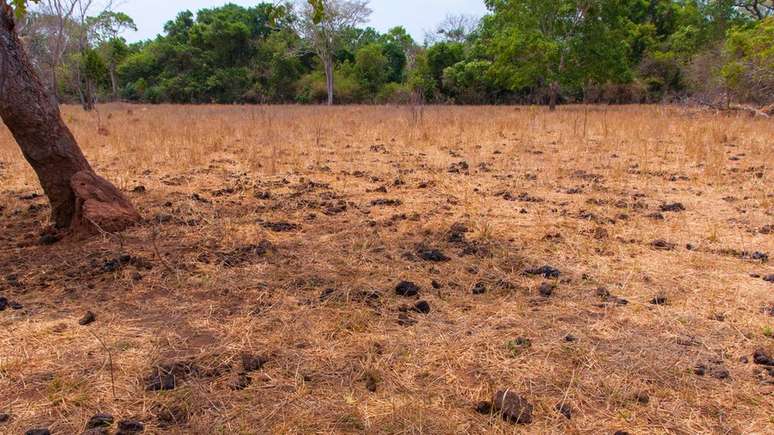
417	16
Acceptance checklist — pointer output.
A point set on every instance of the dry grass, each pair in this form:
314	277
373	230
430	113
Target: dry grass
208	301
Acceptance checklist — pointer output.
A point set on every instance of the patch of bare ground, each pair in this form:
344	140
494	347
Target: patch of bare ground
399	270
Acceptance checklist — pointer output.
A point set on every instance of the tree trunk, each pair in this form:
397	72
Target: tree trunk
88	95
329	79
54	85
553	95
81	201
113	81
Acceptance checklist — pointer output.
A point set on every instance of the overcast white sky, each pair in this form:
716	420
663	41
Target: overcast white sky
416	16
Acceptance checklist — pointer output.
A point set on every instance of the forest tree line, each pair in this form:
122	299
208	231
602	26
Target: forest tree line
521	51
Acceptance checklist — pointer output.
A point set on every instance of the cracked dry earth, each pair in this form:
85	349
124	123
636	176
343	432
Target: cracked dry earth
399	270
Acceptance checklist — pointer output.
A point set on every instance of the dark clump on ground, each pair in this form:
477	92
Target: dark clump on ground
386	202
251	362
608	298
672	207
564	409
713	367
87	319
761	357
168	376
545	271
406	288
429	254
281	227
546	289
130	427
422	307
512	407
479	288
100	420
662	245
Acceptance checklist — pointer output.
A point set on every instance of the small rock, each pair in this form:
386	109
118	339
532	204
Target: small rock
4	417
130	427
96	431
769	278
100	420
570	338
38	431
3	303
436	285
642	397
139	189
621	432
407	289
15	305
87	318
564	409
479	288
512	407
659	300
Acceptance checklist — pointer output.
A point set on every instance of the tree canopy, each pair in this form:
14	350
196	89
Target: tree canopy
521	51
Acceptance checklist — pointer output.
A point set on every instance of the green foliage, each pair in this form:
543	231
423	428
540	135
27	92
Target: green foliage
20	6
92	66
420	78
371	69
521	51
749	72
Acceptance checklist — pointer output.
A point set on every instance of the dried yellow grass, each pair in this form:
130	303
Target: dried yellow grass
429	375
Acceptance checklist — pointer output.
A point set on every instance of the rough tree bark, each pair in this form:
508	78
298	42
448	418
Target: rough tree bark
329	79
553	95
81	201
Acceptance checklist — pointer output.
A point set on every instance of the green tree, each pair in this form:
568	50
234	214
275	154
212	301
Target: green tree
371	69
322	23
555	44
749	71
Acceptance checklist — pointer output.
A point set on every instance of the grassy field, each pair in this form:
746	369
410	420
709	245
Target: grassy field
264	278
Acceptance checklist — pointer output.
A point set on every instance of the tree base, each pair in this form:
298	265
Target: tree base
99	206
